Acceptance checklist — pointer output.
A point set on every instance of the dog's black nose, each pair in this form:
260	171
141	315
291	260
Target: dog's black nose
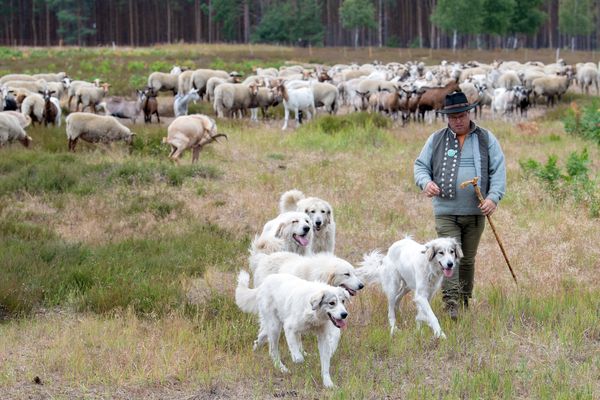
450	264
306	229
318	223
360	286
344	315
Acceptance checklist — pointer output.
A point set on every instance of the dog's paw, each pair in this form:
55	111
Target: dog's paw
328	383
283	368
392	330
441	335
297	358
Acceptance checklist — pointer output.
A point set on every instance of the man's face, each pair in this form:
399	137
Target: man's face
459	122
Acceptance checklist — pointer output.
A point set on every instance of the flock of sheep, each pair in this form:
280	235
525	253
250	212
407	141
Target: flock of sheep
410	91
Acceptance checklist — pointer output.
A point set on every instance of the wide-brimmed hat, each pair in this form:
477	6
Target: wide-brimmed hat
455	103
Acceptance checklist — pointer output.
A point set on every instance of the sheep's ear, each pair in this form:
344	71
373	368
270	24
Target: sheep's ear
316	300
52	91
40	92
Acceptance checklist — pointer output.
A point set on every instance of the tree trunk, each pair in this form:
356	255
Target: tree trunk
420	23
355	38
210	22
454	40
380	27
131	42
246	21
47	25
33	23
168	21
198	19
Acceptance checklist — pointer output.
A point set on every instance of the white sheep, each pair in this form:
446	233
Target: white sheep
326	95
508	80
587	76
180	104
74	85
200	78
90	96
190	132
24	120
95	128
160	81
16	77
264	99
33	86
553	86
51	77
11	130
233	97
33	106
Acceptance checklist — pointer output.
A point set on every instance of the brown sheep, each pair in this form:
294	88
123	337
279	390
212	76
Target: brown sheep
190	132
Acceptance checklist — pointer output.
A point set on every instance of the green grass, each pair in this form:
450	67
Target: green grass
41	270
100	251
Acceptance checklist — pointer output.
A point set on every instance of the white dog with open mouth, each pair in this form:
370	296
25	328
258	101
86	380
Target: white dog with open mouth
321	214
297	306
289	231
322	267
408	266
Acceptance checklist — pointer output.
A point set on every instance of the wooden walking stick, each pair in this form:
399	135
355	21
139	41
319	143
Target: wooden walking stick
489	218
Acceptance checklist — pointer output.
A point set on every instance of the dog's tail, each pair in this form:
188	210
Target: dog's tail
265	246
245	298
370	266
255	258
289	200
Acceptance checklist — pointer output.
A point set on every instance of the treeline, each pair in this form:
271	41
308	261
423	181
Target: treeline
394	23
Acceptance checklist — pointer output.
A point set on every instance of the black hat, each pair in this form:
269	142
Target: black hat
456	103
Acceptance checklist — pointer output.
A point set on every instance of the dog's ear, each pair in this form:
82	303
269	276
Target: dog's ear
331	279
458	251
430	252
279	231
316	299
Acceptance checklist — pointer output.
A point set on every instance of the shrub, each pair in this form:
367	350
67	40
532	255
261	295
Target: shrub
576	182
584	121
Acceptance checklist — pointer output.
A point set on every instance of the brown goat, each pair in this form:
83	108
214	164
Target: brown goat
150	105
51	111
433	98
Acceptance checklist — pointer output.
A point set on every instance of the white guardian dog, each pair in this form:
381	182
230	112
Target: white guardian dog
322	267
408	266
289	231
321	214
297	306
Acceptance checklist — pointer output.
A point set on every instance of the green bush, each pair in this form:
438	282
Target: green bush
584	120
575	182
348	132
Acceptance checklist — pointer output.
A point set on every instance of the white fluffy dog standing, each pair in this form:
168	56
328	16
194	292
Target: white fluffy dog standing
297	306
322	267
289	231
408	266
321	214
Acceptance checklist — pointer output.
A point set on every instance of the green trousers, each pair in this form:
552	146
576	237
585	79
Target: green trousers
467	230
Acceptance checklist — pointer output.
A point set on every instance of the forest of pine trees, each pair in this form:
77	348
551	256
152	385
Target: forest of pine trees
396	23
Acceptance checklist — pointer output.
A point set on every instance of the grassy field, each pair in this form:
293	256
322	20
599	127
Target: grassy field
118	270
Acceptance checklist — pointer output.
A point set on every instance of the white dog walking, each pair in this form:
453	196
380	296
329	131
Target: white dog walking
297	306
289	231
322	267
320	213
408	266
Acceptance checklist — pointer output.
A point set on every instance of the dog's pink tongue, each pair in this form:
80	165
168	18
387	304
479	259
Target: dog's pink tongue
302	240
448	272
341	324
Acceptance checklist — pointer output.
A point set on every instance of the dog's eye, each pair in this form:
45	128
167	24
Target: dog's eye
306	211
332	303
313	211
328	212
295	222
347	274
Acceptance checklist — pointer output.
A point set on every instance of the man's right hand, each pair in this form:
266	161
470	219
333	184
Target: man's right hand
431	189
